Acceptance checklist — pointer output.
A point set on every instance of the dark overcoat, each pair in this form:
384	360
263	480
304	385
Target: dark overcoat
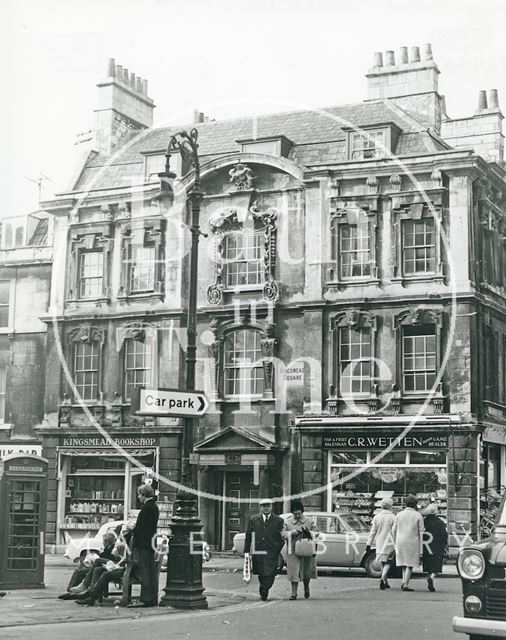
264	543
145	527
435	541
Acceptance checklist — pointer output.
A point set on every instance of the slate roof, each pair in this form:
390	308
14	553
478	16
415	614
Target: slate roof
318	137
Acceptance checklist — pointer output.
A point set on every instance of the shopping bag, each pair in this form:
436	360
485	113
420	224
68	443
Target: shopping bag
246	569
304	548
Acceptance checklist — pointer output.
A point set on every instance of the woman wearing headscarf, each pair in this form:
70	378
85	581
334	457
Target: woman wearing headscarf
435	541
408	534
381	538
299	527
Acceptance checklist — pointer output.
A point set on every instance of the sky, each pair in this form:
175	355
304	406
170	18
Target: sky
225	58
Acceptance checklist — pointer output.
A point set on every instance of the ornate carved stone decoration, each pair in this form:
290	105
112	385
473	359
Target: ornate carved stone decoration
86	333
372	184
241	177
395	182
133	331
223	221
214	351
436	178
267	344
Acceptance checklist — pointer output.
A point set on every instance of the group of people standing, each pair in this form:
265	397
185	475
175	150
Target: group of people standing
406	539
131	555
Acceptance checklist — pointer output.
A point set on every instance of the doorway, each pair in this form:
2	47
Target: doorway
239	486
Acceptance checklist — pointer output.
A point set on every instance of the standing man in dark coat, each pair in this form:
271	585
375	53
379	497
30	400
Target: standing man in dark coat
264	543
143	547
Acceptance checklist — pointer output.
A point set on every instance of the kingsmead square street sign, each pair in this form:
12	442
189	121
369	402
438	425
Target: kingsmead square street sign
171	402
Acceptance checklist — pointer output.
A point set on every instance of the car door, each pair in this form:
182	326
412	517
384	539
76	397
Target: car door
333	550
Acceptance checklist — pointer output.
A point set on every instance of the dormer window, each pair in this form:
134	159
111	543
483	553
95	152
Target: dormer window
365	146
153	165
372	142
270	146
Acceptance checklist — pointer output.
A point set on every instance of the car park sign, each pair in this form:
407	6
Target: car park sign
172	402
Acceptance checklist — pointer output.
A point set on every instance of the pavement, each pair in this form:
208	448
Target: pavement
347	601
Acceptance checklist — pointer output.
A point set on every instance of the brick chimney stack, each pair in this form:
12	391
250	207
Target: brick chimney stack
411	83
123	106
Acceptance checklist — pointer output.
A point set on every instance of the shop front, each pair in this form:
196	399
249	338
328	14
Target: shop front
97	480
360	461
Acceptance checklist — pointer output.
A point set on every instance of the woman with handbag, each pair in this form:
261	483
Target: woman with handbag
299	532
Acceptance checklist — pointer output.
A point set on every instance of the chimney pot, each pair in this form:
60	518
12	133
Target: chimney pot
126	76
111	67
482	100
144	87
132	79
415	54
389	59
119	72
138	84
442	105
378	59
494	99
403	55
427	51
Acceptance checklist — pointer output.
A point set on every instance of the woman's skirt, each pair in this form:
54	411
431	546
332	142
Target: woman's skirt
300	568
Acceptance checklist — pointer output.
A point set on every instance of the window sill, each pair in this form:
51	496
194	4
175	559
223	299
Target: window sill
86	300
132	297
426	277
239	399
355	282
5	426
244	287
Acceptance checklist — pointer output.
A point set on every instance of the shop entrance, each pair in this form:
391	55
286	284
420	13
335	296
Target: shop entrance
239	486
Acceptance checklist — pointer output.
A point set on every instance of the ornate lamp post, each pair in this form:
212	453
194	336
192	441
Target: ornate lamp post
184	571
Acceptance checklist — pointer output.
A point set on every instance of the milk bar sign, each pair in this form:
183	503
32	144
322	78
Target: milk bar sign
378	441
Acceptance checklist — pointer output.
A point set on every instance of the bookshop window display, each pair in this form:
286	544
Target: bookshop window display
97	487
357	484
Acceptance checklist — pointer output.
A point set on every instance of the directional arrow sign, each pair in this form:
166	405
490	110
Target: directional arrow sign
172	402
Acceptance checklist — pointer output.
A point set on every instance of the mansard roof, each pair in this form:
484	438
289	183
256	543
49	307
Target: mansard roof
318	137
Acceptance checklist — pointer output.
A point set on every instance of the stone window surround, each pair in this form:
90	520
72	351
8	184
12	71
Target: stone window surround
354	319
391	133
346	210
141	332
142	229
85	238
85	333
410	206
216	352
419	316
226	221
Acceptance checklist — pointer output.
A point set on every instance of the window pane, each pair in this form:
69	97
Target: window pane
138	364
243	363
243	257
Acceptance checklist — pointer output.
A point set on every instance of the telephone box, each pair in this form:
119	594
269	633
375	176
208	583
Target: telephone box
23	491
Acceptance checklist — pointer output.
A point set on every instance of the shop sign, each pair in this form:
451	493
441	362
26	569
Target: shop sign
30	449
172	402
126	441
373	441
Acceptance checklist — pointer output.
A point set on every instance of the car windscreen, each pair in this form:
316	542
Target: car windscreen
354	522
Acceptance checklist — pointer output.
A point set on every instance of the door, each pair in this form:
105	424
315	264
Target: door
239	486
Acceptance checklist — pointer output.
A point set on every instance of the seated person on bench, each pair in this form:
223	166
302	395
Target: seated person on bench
113	572
85	576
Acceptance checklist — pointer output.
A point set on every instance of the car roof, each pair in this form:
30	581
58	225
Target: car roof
332	514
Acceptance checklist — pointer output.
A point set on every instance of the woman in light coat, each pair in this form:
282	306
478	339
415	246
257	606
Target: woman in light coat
381	537
408	533
299	568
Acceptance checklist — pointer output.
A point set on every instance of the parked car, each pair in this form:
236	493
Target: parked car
78	548
342	541
482	568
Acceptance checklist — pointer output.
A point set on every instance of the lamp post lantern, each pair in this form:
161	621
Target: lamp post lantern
184	587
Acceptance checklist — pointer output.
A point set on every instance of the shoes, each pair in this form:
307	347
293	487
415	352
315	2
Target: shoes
405	588
382	585
140	605
293	597
306	594
263	595
80	596
430	584
81	588
87	602
67	596
387	586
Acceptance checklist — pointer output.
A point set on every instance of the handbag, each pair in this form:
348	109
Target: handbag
304	548
391	559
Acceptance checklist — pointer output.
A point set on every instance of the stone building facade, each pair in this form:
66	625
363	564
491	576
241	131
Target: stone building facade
351	325
25	276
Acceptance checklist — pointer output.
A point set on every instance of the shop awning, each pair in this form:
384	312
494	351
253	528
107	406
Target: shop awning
135	453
